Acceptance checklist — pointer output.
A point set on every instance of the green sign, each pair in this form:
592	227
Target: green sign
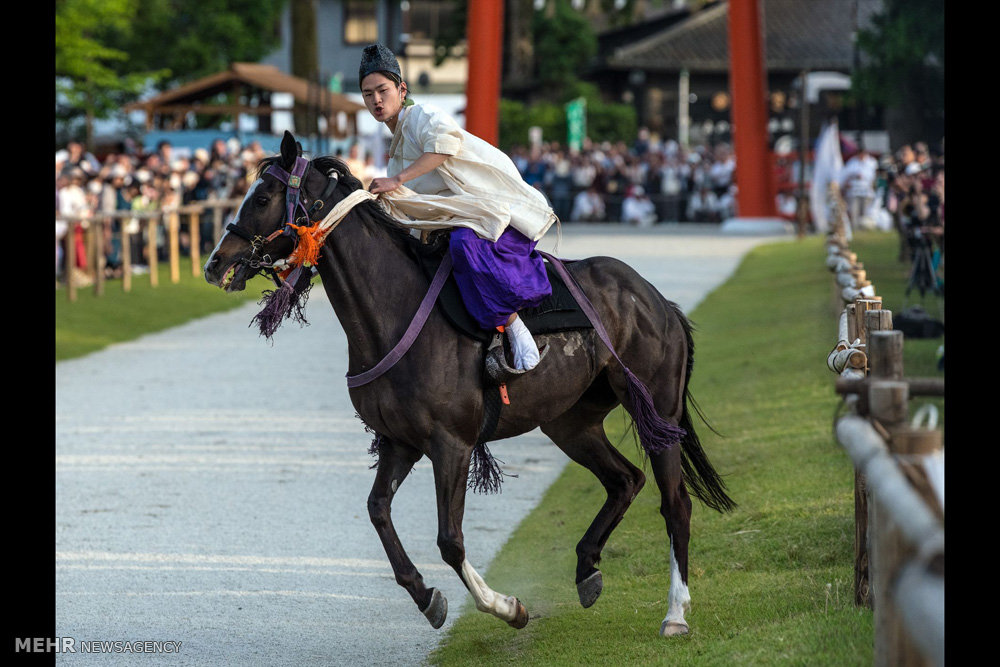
576	123
337	83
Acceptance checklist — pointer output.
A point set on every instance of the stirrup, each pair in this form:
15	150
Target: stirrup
497	368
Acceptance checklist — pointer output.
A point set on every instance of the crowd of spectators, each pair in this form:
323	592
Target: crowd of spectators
909	187
641	183
142	181
138	180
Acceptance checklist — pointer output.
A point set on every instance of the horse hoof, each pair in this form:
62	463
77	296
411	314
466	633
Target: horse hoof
673	629
590	589
437	610
521	618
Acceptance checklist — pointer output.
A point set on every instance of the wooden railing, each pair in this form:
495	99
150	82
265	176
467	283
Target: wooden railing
98	232
899	472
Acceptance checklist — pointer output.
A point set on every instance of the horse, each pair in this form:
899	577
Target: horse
431	401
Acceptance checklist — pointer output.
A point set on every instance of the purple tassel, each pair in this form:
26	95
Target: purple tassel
485	475
656	434
375	448
287	301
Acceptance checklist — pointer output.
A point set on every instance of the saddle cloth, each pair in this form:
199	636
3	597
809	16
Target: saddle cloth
558	312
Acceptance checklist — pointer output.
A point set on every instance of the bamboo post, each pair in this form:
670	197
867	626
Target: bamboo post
888	400
195	234
173	236
70	256
126	257
877	320
888	405
882	349
217	222
862	306
917	448
154	278
96	238
909	638
852	322
892	552
885	354
896	499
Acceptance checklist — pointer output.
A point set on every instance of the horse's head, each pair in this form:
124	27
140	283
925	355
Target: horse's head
289	190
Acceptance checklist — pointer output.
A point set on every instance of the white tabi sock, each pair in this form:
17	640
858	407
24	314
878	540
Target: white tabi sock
525	350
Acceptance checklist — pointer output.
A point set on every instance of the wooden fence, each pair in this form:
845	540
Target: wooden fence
98	234
899	472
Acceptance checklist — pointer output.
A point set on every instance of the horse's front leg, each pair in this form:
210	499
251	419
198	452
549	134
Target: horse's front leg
394	464
451	472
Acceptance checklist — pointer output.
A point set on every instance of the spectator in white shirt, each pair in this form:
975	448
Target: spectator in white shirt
637	209
588	206
857	182
703	206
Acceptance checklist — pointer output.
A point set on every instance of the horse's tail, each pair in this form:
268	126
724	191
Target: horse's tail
699	475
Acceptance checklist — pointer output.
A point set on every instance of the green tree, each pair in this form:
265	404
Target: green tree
194	38
902	68
90	75
564	45
606	121
109	51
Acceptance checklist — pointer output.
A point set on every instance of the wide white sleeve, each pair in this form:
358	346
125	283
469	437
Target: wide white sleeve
437	132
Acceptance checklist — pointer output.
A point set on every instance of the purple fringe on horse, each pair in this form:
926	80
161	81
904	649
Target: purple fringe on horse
485	473
288	301
656	434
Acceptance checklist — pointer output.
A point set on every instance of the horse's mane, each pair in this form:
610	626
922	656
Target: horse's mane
348	183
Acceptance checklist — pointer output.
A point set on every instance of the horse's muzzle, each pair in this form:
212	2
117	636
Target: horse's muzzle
231	277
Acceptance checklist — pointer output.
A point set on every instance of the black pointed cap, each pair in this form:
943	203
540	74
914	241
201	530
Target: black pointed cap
378	58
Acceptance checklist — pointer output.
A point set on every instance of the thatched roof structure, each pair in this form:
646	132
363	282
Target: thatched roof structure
251	85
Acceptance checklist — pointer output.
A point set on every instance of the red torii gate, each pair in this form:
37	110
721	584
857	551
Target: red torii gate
484	36
747	82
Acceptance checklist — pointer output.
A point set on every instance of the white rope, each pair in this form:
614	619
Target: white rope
334	218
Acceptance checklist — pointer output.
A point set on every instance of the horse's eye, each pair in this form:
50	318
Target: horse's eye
261	200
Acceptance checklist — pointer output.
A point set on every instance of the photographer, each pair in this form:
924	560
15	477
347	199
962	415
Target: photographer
922	224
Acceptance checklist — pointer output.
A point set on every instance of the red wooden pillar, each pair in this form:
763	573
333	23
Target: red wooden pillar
484	35
748	84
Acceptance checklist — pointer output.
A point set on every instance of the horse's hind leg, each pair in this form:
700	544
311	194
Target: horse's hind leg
451	473
584	441
394	464
675	506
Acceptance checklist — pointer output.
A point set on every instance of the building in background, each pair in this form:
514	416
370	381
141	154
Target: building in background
675	69
408	27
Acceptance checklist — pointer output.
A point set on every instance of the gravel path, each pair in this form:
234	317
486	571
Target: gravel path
197	503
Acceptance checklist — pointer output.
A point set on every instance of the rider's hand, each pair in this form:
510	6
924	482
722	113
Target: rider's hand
379	185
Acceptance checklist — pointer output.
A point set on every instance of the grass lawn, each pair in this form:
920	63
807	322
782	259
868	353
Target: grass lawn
771	582
93	322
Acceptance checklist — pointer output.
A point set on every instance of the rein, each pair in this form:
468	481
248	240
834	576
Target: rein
412	331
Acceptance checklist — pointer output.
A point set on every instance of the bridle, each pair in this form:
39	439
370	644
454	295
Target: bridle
296	200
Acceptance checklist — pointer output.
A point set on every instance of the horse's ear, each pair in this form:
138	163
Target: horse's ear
290	149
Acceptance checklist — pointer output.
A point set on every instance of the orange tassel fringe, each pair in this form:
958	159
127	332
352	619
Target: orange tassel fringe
306	252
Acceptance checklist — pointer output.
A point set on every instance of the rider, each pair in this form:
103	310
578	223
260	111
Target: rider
432	155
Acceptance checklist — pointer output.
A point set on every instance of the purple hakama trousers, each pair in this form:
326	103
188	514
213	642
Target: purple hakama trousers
497	279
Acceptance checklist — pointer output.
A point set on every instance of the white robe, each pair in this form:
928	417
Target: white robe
477	187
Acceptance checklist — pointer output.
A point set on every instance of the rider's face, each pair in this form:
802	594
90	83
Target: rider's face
382	96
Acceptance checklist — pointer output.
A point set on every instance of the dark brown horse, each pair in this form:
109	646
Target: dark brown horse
431	402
